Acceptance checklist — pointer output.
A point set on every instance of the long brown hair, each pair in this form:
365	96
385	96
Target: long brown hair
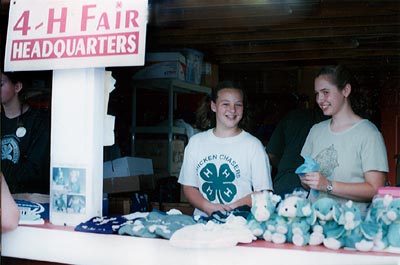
340	75
205	117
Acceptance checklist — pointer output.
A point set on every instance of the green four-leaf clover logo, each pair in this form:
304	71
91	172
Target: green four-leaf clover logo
218	184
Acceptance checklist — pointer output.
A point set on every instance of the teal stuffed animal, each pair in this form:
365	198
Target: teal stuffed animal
276	229
298	212
325	218
349	220
393	213
263	207
357	234
376	216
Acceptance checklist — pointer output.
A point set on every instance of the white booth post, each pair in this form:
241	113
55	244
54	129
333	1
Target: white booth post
76	184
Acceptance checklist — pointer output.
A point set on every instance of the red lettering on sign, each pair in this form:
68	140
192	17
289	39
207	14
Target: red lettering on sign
131	16
23	23
103	22
62	20
85	16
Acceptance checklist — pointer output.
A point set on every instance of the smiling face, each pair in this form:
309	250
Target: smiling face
228	108
329	97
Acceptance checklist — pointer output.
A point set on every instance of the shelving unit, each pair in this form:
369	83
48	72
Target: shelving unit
172	87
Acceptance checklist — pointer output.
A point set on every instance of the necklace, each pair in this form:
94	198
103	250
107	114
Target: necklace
21	130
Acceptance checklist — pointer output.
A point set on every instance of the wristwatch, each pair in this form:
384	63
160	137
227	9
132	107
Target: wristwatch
329	188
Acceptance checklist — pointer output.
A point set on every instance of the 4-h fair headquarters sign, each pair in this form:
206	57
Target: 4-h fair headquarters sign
65	34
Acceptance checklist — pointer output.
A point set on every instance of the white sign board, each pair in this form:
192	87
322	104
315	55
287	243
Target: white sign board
64	34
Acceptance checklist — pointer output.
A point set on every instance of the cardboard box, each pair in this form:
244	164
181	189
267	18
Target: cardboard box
127	166
209	75
163	65
157	57
121	184
194	62
123	174
157	150
119	205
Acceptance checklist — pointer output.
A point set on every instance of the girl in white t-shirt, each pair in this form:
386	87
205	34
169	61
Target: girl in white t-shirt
350	150
224	165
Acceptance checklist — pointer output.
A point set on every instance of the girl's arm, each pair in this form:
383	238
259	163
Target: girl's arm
9	209
362	192
246	200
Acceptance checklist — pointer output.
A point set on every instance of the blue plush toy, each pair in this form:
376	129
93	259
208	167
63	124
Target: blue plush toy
326	214
276	229
376	216
393	213
297	212
263	207
357	234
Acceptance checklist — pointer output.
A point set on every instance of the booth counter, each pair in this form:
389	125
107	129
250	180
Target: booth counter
64	245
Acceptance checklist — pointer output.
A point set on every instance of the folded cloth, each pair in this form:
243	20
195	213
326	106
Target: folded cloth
157	224
213	235
102	225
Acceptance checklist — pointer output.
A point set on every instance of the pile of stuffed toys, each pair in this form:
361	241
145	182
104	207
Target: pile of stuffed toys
294	219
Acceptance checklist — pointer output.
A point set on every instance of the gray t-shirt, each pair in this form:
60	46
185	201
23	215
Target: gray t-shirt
345	156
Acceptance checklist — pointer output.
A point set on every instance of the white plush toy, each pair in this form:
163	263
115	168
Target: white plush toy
276	229
263	207
297	212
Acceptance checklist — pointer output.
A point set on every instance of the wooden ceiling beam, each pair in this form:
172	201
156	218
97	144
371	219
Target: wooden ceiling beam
202	11
288	56
178	4
346	43
164	17
269	35
285	23
307	45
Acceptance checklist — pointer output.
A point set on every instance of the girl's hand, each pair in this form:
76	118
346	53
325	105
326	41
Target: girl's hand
315	181
213	207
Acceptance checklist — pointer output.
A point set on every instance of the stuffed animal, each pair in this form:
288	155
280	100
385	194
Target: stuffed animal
276	229
393	213
325	218
348	220
376	218
263	207
297	212
354	230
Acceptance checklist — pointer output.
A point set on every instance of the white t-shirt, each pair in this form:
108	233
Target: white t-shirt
345	156
225	169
